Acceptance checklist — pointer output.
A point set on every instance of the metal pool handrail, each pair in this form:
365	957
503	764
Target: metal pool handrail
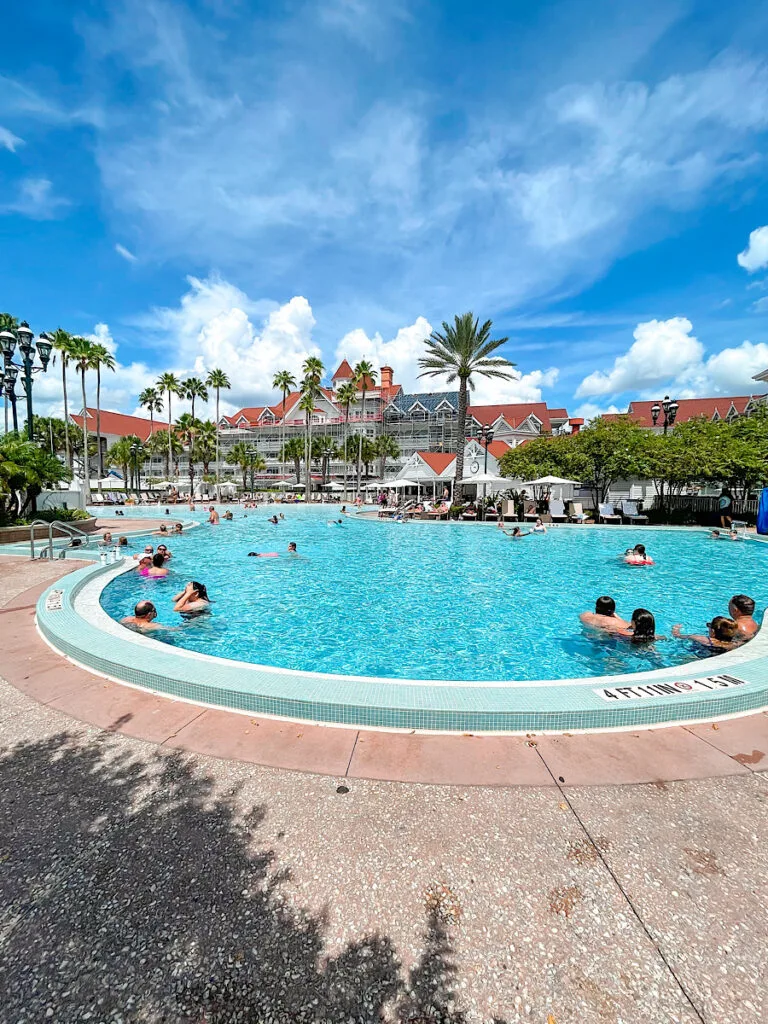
66	528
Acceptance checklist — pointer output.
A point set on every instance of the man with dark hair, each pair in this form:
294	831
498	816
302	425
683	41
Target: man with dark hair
142	619
604	616
741	609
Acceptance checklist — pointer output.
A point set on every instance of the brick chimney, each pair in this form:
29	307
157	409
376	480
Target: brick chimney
386	376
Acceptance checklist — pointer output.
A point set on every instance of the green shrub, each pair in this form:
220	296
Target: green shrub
51	515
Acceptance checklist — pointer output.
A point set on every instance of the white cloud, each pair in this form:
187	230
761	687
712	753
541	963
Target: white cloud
125	253
662	350
761	306
35	199
590	411
728	372
755	256
526	387
9	141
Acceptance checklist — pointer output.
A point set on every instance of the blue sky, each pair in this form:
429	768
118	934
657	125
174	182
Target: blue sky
225	182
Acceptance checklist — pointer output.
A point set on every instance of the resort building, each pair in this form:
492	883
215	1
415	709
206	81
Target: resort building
713	409
117	425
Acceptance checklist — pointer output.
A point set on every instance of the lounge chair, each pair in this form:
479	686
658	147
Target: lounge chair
606	513
531	513
576	513
557	510
630	514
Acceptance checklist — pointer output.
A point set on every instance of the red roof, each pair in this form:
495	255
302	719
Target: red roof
687	409
120	425
558	414
498	448
438	462
344	371
514	414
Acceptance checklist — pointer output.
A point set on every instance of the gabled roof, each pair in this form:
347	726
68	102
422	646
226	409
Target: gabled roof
498	448
430	400
514	414
438	462
688	409
119	424
344	372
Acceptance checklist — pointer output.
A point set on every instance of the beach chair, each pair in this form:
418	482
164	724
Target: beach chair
576	513
630	514
606	513
531	513
557	510
97	499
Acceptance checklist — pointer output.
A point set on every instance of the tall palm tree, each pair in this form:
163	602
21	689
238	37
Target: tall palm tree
101	357
346	396
171	385
187	429
310	391
62	343
193	388
365	375
219	381
207	443
386	448
151	400
167	444
285	382
458	352
81	354
8	322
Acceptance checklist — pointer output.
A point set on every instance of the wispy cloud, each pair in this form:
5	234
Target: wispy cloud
35	199
125	253
9	141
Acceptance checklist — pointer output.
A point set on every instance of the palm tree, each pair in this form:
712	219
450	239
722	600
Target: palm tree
101	357
119	454
458	352
346	396
81	354
365	375
207	444
187	429
310	390
240	455
151	400
62	343
193	388
285	382
219	381
171	384
167	444
386	448
8	322
293	451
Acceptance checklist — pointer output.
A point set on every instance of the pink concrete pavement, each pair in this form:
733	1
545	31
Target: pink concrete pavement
735	747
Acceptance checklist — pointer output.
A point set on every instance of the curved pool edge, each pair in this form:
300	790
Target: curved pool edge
71	620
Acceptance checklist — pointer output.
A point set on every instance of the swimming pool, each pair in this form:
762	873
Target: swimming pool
441	601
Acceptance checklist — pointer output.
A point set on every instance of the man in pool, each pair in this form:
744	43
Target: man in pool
142	620
604	616
213	518
292	548
742	609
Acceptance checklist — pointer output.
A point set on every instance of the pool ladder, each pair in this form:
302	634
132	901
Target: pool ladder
66	528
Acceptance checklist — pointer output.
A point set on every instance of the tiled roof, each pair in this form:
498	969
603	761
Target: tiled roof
429	399
498	448
119	424
514	414
558	414
687	409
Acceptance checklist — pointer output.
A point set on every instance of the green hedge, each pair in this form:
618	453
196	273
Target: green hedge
51	515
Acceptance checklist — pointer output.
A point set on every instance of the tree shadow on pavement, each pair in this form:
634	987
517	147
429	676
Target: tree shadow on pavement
132	890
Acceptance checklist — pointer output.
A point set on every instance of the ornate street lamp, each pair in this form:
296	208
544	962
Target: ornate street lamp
134	449
10	370
486	436
670	412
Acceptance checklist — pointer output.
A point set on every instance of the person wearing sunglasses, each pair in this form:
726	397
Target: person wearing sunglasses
143	618
722	635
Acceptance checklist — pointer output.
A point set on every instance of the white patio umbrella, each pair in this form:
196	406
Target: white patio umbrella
551	481
397	484
334	486
485	478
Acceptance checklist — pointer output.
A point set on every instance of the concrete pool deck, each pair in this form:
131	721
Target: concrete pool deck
737	746
145	882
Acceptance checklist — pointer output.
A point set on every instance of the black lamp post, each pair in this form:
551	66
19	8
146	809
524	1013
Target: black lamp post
252	453
670	412
486	436
135	448
10	370
327	453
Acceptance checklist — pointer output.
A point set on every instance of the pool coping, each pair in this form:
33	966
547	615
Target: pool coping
77	626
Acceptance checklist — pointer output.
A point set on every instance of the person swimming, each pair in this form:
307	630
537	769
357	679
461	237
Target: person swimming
292	548
516	533
638	556
263	554
273	519
722	634
642	628
604	616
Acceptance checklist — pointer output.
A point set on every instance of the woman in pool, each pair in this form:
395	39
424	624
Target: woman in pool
637	556
642	628
192	601
145	564
722	635
157	570
516	533
163	550
539	527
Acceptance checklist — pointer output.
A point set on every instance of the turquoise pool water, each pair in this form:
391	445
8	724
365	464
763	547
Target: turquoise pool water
428	601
